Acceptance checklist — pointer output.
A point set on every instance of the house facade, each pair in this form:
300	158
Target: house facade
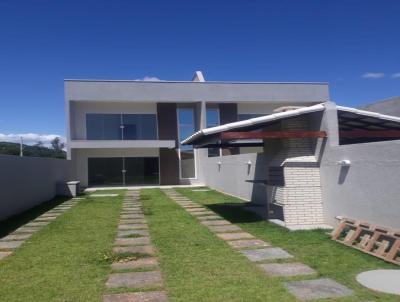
125	133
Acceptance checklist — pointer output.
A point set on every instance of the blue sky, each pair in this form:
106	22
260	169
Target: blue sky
353	45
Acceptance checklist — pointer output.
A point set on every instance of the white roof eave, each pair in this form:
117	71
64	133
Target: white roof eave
253	121
369	113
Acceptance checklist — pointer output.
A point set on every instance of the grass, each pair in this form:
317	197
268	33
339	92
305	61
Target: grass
196	265
313	248
68	259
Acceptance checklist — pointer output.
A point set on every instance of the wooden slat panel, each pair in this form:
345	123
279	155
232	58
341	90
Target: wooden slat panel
369	133
272	134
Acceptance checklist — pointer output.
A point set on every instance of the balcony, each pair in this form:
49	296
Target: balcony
98	144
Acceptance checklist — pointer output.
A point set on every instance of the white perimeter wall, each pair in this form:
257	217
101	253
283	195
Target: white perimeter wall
230	177
369	189
29	181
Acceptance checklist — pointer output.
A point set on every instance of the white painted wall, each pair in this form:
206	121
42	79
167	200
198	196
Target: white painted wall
78	111
81	156
369	189
264	108
230	177
29	181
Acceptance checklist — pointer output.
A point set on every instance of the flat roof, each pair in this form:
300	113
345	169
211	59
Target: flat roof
201	83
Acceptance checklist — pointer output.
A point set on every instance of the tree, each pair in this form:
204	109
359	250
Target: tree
57	145
39	144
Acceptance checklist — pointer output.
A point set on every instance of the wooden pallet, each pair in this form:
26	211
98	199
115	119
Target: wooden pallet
377	241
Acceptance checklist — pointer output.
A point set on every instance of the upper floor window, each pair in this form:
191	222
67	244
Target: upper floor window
121	126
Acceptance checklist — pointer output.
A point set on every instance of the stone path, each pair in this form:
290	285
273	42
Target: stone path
15	239
137	275
263	254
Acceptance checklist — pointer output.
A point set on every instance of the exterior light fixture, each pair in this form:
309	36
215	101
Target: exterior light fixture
344	162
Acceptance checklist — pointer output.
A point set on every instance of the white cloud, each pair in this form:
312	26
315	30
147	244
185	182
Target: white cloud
147	78
373	75
396	75
30	138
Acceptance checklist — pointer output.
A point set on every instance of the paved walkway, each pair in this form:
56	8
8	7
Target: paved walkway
15	239
268	258
137	275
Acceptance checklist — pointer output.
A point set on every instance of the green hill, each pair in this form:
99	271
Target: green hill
34	151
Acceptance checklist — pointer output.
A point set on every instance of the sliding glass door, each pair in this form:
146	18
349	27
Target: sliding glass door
141	171
121	171
105	171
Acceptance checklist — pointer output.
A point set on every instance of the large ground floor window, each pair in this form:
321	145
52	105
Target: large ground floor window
121	171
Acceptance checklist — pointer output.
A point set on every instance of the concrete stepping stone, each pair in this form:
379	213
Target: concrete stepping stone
209	217
132	221
132	216
133	226
10	245
4	254
16	237
317	289
44	219
191	208
234	236
37	224
382	280
203	213
286	269
246	243
156	296
103	195
125	233
270	253
135	264
132	241
48	215
197	210
224	228
216	222
25	229
134	279
141	249
131	212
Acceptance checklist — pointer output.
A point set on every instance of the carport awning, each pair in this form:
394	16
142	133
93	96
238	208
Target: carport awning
353	123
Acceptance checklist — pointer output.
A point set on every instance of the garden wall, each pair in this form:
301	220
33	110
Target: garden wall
369	189
233	174
28	181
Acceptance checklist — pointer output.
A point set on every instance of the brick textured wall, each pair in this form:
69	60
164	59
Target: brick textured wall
300	196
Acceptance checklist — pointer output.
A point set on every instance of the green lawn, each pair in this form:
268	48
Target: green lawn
313	248
196	265
68	259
